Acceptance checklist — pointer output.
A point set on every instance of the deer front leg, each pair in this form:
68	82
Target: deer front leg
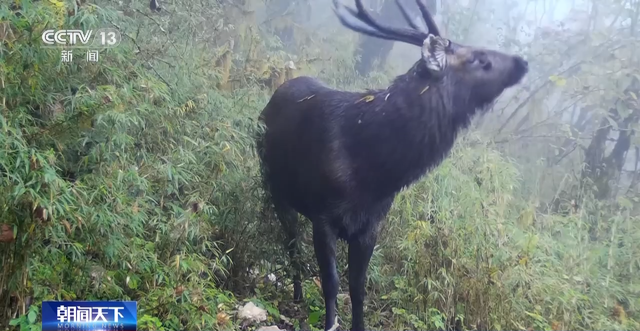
289	220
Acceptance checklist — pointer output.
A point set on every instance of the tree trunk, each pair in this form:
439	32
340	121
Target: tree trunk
601	170
285	18
600	174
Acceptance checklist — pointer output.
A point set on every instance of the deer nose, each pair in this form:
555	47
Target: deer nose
521	63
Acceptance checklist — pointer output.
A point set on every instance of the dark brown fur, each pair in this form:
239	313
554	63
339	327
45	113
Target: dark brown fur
339	158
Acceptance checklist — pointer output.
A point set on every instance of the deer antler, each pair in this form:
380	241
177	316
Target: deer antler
362	21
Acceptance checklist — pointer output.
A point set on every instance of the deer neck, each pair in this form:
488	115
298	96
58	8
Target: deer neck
405	130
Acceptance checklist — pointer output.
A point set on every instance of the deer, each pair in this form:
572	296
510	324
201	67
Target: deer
339	158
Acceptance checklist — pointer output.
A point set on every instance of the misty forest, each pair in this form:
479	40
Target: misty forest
136	177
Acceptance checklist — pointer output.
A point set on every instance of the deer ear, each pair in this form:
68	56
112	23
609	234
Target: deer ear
433	52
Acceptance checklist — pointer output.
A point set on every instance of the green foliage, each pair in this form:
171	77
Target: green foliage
480	259
129	174
136	179
27	322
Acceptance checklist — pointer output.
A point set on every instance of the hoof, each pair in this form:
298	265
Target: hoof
335	325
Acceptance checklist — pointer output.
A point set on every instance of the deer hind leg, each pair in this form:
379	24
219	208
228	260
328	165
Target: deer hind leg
360	251
324	244
289	219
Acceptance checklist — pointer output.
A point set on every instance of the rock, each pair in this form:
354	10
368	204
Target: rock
270	328
252	313
285	320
